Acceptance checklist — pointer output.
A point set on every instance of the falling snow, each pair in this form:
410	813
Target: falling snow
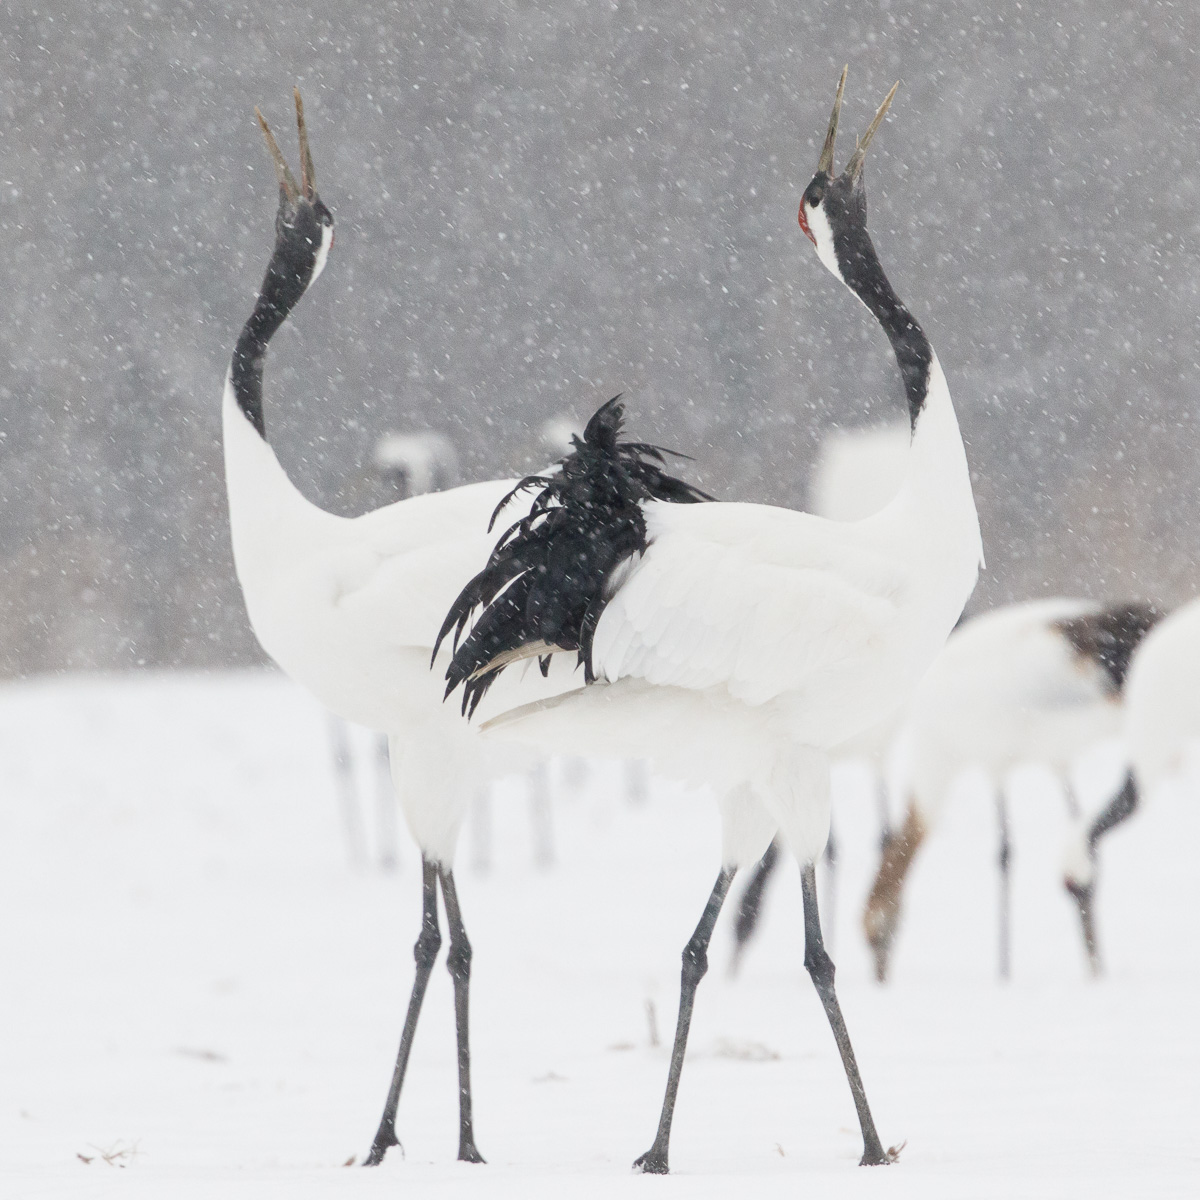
538	206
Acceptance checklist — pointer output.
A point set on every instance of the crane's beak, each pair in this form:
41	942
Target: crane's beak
825	162
308	176
854	166
287	181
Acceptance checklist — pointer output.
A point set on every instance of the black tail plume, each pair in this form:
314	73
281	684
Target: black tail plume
544	587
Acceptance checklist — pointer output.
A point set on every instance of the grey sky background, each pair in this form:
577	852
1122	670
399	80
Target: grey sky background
539	205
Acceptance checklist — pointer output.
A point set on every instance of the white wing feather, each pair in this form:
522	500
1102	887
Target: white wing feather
759	600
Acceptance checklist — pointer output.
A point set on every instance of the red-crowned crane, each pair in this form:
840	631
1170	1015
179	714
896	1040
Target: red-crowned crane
1035	682
1162	700
736	645
350	608
857	471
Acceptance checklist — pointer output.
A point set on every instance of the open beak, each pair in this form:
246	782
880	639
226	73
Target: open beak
287	181
825	162
854	166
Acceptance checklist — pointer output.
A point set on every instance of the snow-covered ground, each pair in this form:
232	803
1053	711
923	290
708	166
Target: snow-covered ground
196	984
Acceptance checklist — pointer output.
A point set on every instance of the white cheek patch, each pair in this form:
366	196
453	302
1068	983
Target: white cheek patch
818	222
322	252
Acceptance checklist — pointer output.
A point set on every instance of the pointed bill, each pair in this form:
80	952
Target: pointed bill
825	162
282	172
855	164
308	177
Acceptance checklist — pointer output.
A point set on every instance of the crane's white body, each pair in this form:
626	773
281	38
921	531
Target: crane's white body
857	473
1008	689
749	641
350	608
1162	699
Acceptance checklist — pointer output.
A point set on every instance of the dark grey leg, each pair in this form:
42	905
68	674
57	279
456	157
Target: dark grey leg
695	965
425	951
459	963
1122	806
831	861
820	966
1005	859
751	903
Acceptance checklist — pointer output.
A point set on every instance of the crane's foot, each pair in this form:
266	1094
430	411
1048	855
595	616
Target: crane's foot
468	1153
385	1139
877	1156
653	1162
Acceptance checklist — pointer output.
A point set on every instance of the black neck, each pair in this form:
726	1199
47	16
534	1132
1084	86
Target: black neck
287	277
863	274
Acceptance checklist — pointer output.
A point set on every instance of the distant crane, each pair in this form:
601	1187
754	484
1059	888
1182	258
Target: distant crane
1033	682
1162	700
417	462
735	645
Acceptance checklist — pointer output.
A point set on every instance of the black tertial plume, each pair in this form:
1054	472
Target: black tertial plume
1109	637
545	585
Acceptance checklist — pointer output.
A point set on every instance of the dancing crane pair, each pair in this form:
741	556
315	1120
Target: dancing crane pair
732	644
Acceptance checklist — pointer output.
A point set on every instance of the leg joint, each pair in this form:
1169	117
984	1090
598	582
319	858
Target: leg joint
425	951
819	965
695	961
458	961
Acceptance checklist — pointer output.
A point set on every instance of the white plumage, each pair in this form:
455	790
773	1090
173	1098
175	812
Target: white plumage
746	631
856	473
350	608
1009	688
1162	699
745	642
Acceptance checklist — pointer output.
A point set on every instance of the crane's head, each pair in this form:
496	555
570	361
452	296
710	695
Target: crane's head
833	210
303	225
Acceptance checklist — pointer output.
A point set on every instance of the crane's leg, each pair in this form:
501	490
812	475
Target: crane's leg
343	772
885	812
385	799
1004	858
425	951
458	961
831	861
1072	800
695	965
1122	806
750	907
820	966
